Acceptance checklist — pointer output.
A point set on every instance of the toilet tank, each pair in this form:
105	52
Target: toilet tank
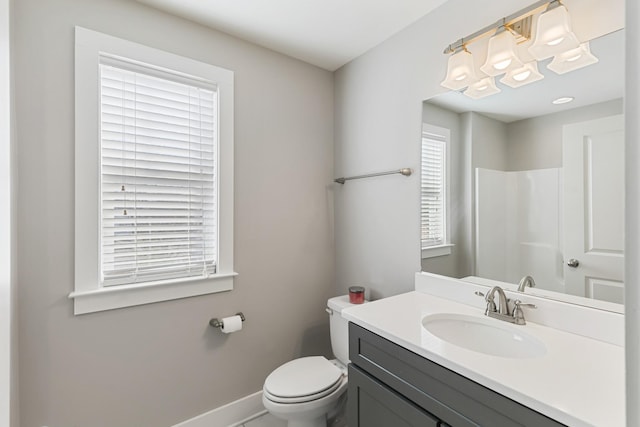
339	327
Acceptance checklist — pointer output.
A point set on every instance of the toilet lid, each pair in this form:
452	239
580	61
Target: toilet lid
306	376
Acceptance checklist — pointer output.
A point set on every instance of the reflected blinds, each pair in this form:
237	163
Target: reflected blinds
158	174
432	190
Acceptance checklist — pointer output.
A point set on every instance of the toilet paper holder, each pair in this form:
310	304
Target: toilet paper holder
216	323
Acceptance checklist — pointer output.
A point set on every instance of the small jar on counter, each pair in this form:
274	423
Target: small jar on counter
356	294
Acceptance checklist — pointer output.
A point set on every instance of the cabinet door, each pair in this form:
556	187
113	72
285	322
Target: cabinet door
371	404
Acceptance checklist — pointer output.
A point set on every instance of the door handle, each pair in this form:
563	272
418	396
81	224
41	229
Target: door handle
573	263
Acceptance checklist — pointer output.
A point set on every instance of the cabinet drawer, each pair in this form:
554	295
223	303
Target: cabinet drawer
372	404
452	398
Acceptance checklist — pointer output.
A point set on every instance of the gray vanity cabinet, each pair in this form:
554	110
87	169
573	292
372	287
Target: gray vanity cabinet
377	405
390	386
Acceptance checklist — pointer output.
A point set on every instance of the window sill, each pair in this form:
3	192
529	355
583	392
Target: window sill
436	251
109	298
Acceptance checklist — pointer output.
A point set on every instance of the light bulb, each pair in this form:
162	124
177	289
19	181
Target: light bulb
521	76
553	34
482	88
502	64
501	54
555	41
572	59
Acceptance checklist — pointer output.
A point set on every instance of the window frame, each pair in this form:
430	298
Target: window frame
446	246
89	295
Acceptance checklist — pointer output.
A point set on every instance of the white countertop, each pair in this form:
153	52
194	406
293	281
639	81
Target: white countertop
578	382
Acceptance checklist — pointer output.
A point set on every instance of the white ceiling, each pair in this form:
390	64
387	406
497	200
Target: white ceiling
330	33
326	33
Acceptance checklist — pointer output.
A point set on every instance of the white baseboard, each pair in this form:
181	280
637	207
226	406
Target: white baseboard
230	415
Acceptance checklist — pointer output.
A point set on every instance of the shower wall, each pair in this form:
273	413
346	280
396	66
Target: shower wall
519	226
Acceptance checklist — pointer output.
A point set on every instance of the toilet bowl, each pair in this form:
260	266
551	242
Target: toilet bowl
303	391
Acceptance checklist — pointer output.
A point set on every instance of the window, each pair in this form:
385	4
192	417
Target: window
158	150
154	175
433	192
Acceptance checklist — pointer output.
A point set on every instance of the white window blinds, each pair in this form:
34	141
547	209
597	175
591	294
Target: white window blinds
158	179
432	194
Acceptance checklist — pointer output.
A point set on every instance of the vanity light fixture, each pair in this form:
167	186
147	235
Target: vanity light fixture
573	59
562	100
482	88
521	76
553	38
501	54
460	70
553	33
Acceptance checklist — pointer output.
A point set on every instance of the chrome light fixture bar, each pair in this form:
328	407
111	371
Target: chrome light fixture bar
536	7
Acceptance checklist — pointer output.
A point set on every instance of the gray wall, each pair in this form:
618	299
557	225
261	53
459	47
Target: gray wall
489	143
536	143
378	110
457	263
404	71
632	212
8	335
377	127
158	364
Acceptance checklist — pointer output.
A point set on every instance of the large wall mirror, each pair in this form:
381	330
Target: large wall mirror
534	188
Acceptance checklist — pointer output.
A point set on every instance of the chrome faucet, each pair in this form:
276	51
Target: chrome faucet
501	311
526	281
503	308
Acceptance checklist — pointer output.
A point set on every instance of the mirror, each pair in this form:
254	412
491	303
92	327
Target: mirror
535	188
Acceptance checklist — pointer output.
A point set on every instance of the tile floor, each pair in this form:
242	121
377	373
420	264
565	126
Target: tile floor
337	419
266	420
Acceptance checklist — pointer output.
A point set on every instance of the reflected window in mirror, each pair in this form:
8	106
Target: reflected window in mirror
433	191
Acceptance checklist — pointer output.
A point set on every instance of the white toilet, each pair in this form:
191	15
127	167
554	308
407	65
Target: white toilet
303	391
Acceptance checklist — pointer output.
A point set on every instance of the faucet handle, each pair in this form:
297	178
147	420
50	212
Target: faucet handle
518	315
518	303
491	304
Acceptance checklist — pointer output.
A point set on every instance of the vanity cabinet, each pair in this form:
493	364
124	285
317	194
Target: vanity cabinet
390	386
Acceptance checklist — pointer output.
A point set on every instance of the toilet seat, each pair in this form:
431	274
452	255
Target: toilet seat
303	380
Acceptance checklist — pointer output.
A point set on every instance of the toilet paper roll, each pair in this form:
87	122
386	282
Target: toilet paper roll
231	324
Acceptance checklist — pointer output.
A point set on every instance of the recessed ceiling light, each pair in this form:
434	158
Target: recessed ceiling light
562	100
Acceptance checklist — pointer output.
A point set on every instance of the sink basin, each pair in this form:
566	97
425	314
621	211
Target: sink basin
484	335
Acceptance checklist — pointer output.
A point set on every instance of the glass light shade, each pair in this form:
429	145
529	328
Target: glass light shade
524	75
572	59
501	54
553	34
483	87
460	71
